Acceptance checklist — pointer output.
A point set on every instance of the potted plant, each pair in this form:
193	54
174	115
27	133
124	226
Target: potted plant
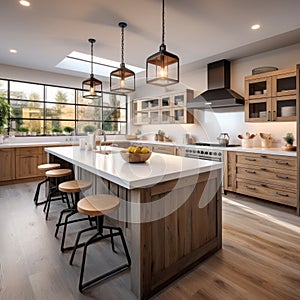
23	130
68	129
289	138
5	109
160	136
89	128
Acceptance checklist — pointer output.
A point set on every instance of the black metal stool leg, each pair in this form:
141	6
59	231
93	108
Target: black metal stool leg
77	245
37	192
96	238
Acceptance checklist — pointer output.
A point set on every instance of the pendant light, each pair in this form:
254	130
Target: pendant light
162	68
92	84
122	80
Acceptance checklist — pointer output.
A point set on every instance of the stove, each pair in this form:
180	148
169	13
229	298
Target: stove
214	144
207	151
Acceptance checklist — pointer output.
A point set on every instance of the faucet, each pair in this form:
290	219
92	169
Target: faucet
101	132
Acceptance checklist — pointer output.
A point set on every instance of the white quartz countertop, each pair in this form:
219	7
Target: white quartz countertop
270	151
159	168
35	144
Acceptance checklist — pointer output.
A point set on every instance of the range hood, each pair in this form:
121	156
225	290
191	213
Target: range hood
219	94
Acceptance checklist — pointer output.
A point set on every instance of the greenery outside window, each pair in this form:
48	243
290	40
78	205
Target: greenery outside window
40	109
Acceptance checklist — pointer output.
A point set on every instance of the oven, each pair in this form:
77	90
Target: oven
206	153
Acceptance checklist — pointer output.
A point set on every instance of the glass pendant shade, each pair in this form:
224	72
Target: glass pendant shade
92	84
162	68
122	80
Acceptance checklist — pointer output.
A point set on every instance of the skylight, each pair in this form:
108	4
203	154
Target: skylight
80	62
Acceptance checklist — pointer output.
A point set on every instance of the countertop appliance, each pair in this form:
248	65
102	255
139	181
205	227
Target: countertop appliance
219	93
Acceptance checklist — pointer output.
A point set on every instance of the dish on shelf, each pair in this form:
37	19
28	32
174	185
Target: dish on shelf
257	92
260	70
288	111
135	157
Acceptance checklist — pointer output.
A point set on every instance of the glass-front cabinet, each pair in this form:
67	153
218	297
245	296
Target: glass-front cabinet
165	109
271	96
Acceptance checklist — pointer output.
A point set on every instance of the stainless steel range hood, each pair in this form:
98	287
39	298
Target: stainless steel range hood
219	93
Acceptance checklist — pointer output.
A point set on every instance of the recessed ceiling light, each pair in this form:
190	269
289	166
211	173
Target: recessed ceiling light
24	3
13	51
255	26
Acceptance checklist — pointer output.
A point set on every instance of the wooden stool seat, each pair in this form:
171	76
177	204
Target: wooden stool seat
98	205
44	168
74	186
56	173
47	167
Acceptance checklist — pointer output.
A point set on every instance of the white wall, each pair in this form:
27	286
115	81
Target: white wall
210	124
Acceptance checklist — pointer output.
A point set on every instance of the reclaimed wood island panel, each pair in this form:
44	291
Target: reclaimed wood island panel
170	210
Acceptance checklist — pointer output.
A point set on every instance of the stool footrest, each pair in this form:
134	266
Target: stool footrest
103	277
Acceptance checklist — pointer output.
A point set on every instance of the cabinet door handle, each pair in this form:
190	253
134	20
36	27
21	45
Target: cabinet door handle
250	187
281	162
250	171
250	159
283	195
263	169
282	176
274	115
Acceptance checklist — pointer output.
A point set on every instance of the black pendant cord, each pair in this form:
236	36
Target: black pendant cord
122	47
92	55
163	22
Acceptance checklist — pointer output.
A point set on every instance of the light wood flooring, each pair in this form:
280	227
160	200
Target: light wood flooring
260	258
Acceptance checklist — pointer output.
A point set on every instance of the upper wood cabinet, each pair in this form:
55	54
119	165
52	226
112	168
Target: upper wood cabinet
165	109
271	96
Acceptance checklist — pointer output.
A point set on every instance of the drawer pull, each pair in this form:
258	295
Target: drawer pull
282	176
263	156
264	185
250	187
250	171
281	162
250	159
263	169
283	195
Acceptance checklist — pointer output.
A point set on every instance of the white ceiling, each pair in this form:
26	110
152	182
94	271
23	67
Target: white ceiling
198	31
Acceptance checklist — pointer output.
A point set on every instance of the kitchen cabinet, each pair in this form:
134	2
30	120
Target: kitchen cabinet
165	109
7	164
271	96
165	149
27	161
269	177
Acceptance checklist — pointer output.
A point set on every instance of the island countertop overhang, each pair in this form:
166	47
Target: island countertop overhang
159	168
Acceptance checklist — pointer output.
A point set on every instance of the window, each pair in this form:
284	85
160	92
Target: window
40	109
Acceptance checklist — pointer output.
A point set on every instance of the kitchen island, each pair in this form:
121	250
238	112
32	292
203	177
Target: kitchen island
170	209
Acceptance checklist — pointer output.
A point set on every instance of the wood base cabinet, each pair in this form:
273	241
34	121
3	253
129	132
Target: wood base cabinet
7	164
27	161
269	177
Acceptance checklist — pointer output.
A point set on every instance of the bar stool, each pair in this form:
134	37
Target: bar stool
57	175
44	168
97	206
72	187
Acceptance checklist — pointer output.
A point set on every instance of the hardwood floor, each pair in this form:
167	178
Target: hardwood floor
260	258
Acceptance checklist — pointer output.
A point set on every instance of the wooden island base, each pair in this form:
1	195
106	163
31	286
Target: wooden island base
183	225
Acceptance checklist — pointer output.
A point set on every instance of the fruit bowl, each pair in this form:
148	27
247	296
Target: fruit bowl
135	157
